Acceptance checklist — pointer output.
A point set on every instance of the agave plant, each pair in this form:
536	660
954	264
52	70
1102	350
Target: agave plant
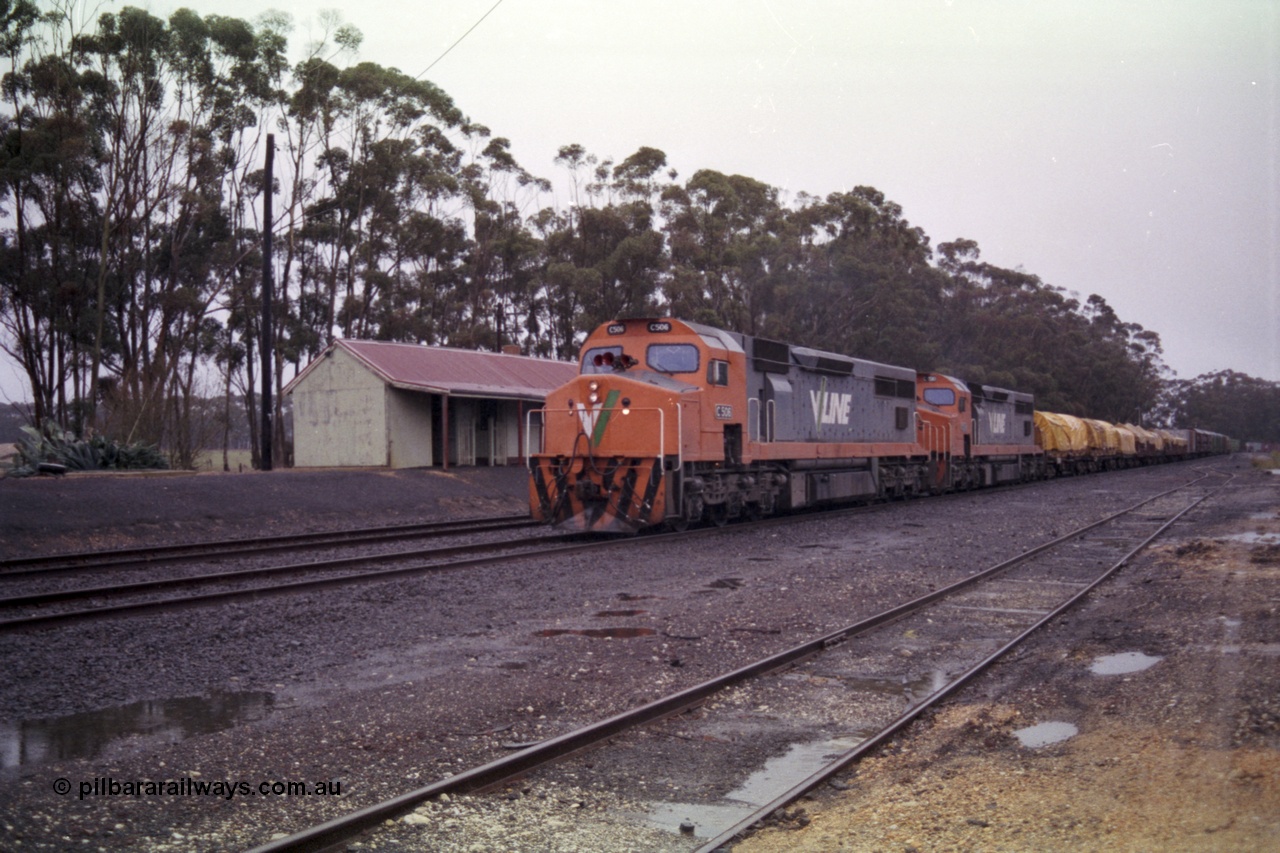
60	447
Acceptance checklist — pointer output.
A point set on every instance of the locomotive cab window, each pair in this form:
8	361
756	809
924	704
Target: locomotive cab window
672	358
601	359
940	396
718	372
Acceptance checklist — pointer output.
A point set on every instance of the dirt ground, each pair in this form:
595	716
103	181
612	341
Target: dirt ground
1183	756
82	511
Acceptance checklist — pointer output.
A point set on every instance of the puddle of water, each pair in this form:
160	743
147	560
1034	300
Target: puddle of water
1122	663
605	614
1253	538
598	633
86	735
1268	649
727	583
627	596
1045	734
777	776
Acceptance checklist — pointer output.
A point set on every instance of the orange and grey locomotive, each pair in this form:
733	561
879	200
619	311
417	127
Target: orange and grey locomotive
675	422
670	423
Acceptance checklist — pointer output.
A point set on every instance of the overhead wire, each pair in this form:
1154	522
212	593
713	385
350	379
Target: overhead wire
459	40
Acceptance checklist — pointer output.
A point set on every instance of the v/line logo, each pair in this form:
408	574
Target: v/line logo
595	419
830	408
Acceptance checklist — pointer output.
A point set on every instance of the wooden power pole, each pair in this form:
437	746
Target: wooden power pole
268	351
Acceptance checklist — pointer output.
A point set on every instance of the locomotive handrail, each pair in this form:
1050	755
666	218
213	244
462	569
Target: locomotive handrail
753	423
528	435
626	410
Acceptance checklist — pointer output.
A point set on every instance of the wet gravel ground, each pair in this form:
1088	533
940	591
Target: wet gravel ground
1181	756
83	512
380	689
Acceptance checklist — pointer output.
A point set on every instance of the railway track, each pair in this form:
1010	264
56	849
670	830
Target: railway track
34	592
85	561
65	604
1000	607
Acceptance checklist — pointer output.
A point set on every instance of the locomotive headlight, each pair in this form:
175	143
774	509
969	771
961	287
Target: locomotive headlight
593	397
593	385
626	405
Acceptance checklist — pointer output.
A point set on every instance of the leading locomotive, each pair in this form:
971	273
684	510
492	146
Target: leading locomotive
671	422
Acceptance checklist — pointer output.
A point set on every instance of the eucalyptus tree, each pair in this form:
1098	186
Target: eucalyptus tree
172	118
605	255
1235	404
868	288
735	249
48	186
1007	327
126	138
499	299
374	207
563	282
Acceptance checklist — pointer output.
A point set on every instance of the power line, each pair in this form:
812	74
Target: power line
459	41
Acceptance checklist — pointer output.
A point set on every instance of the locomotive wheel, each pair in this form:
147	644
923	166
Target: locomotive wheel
719	514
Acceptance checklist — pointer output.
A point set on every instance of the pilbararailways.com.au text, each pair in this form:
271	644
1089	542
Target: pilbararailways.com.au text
107	786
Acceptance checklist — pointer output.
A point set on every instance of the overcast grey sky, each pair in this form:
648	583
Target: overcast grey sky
1122	147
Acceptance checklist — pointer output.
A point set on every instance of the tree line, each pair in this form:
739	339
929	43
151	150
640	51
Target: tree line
131	189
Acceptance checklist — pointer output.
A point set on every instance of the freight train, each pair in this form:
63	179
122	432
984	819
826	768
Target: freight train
674	423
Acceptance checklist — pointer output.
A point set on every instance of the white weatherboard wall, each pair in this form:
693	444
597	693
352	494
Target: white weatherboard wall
408	428
340	415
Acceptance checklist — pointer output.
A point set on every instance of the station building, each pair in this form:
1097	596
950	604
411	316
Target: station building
396	405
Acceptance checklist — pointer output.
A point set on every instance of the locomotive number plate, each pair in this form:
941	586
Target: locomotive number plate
659	327
724	413
617	328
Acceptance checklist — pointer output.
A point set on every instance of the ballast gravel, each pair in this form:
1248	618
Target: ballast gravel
382	689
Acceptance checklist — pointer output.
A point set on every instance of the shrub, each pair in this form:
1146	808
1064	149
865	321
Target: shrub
98	453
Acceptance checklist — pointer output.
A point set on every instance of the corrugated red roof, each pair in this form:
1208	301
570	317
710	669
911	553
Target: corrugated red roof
456	372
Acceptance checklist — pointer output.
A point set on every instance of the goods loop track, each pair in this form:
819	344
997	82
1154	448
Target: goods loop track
443	559
157	554
141	559
1020	595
